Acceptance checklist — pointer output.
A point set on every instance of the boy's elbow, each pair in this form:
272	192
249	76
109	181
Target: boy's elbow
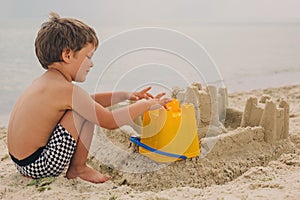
109	121
110	124
111	127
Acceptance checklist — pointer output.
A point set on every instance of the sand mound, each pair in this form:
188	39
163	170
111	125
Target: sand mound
233	154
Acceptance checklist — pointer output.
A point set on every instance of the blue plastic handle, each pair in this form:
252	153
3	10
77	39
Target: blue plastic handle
136	140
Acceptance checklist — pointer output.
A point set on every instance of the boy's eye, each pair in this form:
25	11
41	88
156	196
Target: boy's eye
89	57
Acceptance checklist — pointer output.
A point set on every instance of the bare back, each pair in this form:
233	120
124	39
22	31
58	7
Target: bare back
37	112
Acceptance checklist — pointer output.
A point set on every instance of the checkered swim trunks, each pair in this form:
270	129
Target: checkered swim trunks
51	159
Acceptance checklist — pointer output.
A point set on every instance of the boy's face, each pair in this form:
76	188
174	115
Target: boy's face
82	62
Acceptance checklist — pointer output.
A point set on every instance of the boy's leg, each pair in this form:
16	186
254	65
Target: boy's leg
82	131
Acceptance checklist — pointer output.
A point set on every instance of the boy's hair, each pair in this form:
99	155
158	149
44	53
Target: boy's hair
60	34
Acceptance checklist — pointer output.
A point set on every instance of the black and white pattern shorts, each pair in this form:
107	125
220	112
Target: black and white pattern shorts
50	160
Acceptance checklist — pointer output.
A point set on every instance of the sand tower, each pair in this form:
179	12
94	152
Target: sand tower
210	106
274	119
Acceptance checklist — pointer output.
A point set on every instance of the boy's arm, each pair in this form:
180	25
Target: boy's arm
111	98
88	108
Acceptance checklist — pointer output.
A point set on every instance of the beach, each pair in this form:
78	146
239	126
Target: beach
247	168
236	62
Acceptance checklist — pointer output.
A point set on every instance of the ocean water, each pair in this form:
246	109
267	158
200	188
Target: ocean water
240	57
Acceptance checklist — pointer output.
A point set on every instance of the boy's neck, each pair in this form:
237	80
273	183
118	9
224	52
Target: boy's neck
61	71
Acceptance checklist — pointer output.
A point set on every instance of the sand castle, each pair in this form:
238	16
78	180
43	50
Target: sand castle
209	102
275	120
232	141
211	108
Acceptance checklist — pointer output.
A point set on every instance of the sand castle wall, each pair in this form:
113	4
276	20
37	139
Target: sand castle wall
233	154
274	119
210	105
211	109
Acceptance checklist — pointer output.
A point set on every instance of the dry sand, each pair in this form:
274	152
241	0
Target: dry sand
240	166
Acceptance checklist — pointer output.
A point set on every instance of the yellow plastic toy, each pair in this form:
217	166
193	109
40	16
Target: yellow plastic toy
169	134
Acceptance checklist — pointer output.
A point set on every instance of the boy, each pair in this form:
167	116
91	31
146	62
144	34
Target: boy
52	122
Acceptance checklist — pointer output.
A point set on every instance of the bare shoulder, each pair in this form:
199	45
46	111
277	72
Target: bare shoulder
52	90
64	93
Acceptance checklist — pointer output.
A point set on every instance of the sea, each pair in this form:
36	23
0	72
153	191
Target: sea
239	56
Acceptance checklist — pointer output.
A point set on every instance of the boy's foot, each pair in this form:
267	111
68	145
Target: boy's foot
86	173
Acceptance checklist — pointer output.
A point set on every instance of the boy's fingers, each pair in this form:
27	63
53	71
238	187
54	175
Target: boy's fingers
160	95
146	89
149	95
166	100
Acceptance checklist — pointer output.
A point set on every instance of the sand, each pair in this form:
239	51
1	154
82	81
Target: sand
240	166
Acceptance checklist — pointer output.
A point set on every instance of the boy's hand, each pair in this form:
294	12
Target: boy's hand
158	103
143	94
155	102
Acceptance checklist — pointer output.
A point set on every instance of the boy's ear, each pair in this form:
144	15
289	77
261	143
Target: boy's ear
66	55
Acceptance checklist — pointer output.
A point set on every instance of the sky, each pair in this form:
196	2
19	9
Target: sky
116	12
